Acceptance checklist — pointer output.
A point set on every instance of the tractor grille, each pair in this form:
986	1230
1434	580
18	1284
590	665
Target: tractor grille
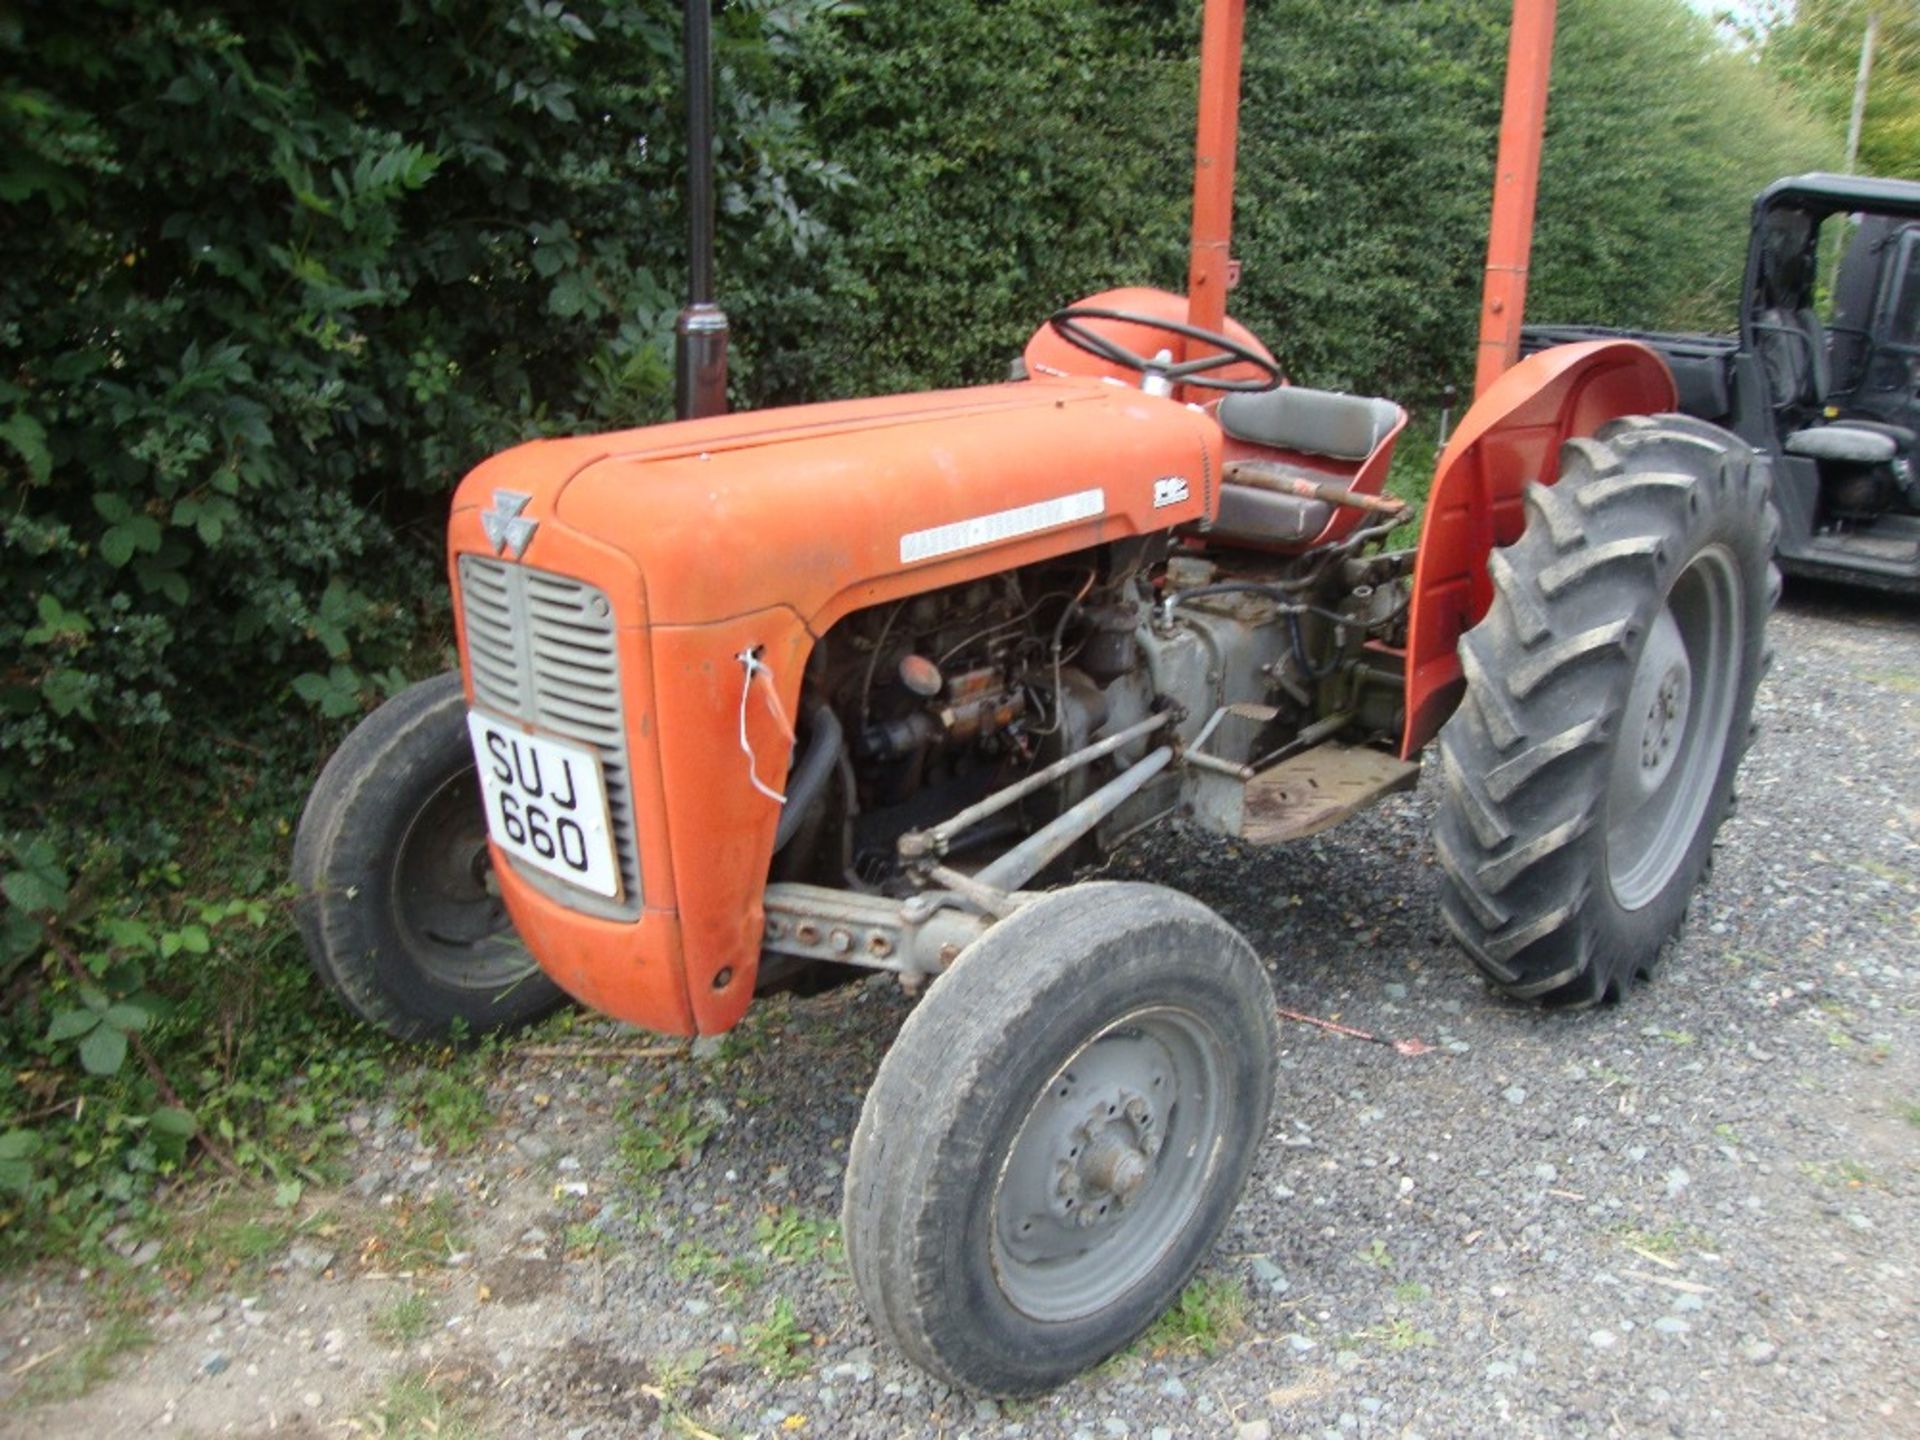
540	648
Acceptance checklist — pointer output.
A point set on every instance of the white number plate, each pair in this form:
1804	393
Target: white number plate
546	803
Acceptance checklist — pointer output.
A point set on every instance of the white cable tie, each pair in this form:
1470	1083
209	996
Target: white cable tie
753	664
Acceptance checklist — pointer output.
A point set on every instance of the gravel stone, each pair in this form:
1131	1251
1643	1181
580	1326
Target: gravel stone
1567	1170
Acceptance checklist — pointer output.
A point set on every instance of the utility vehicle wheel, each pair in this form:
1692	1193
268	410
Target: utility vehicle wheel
1608	696
395	901
1059	1134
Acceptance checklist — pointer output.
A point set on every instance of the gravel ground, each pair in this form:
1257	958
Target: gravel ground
1692	1213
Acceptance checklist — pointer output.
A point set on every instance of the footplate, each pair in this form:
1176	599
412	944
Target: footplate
1318	789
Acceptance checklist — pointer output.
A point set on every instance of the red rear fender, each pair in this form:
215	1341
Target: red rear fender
1510	437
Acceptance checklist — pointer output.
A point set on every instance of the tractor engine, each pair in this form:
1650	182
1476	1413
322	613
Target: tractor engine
913	710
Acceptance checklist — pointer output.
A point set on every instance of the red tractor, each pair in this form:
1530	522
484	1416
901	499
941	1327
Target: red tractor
851	687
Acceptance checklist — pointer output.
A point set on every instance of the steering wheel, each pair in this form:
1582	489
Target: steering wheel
1067	325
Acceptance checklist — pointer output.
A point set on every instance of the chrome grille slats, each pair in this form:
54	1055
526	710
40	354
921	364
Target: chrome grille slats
541	649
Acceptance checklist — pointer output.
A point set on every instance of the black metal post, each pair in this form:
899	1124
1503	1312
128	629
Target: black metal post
700	334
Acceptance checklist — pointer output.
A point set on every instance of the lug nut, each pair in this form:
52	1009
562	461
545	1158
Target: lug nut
840	942
878	945
807	933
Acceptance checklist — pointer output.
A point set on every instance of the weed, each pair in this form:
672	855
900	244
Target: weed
1396	1335
670	1382
231	1236
1206	1317
1668	1240
449	1104
778	1345
788	1235
1851	1173
582	1239
86	1365
404	1321
416	1408
1411	1292
1376	1254
413	1236
664	1139
1677	1037
1730	1135
1911	1113
695	1261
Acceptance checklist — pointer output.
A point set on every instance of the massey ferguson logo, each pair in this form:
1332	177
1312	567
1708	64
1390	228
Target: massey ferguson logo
1169	490
509	531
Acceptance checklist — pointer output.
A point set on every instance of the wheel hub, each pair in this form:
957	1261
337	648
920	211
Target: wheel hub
1657	707
1105	1161
1109	1164
1673	729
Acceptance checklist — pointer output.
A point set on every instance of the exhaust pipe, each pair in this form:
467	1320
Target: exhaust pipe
700	334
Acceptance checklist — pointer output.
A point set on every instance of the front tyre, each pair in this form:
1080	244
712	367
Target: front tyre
1609	695
1059	1134
396	902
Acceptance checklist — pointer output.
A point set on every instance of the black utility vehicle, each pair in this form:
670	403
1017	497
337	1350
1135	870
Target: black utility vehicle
1824	374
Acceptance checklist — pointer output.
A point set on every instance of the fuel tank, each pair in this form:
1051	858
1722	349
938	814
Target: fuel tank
675	581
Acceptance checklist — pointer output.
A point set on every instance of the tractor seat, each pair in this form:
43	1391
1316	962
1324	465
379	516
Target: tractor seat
1321	425
1846	443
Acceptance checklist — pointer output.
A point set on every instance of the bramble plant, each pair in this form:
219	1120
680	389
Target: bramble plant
273	277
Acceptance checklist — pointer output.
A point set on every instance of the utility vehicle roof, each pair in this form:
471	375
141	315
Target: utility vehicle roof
1825	194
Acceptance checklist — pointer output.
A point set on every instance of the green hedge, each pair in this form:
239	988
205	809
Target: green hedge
272	277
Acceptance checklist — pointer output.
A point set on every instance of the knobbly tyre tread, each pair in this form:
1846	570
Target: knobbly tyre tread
421	730
913	1152
1525	759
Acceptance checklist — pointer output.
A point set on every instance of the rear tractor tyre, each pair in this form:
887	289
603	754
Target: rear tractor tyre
1059	1134
396	902
1609	694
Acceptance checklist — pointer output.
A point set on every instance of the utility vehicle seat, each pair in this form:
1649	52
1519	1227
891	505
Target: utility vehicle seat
1319	424
1849	444
1793	349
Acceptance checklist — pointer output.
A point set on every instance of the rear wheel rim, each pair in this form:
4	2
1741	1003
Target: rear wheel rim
1110	1165
445	903
1674	733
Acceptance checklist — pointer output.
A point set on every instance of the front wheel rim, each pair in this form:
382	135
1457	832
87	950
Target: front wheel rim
446	904
1110	1165
1674	732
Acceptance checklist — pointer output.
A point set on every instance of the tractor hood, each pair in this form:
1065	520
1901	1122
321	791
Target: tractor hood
823	509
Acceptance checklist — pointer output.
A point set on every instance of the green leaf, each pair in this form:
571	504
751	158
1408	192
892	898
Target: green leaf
58	625
20	937
17	1149
172	1120
104	1050
128	1016
287	1193
71	1024
39	885
137	534
67	693
337	693
29	441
